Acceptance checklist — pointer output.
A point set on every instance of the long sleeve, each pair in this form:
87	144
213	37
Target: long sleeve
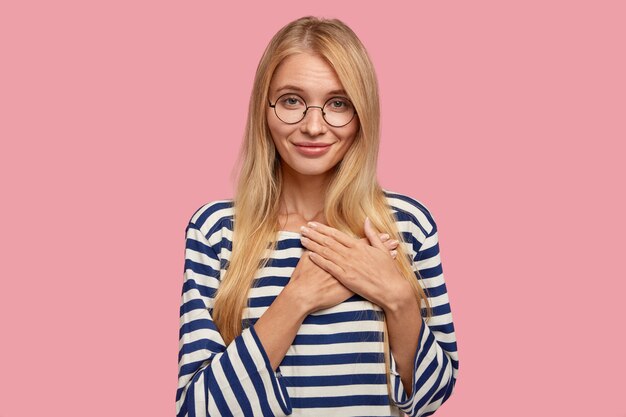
214	379
436	361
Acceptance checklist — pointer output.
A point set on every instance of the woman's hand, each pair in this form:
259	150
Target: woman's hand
313	288
366	269
390	244
316	289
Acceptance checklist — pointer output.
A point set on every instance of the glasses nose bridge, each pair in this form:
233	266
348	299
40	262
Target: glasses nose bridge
316	107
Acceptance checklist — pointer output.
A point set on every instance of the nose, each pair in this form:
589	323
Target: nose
313	122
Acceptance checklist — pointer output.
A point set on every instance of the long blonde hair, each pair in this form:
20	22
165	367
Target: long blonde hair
352	194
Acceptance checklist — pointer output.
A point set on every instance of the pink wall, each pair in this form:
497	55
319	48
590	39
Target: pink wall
118	120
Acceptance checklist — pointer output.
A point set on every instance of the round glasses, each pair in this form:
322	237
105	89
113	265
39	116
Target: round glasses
291	108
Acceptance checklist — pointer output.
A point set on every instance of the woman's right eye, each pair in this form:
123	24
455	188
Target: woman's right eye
291	101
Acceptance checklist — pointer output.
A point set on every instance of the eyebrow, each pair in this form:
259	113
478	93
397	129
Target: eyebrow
294	88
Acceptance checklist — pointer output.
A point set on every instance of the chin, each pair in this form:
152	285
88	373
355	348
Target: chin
308	170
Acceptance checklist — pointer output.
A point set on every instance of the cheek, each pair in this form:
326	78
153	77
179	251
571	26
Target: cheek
349	137
277	128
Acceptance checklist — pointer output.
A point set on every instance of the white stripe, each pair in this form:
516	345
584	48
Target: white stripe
341	390
356	410
202	258
328	370
226	390
244	379
200	398
336	348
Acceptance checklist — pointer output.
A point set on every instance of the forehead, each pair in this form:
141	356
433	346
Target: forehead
308	72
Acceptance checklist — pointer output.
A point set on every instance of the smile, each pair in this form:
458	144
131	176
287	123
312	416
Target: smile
313	149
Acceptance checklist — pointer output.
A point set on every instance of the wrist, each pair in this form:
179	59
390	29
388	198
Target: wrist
298	302
399	299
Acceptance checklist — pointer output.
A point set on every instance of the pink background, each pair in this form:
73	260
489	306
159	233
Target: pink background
119	119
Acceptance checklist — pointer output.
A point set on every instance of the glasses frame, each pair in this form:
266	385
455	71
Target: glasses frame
307	107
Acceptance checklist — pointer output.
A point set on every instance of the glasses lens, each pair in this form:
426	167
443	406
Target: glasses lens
290	108
338	111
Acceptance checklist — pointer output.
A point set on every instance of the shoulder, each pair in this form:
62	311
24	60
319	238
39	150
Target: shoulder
413	211
212	217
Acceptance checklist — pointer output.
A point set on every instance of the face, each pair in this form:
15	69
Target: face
310	147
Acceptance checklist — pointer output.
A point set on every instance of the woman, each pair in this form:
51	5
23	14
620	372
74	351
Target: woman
293	303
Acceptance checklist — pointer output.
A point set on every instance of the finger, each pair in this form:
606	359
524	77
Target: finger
339	236
324	240
391	244
372	235
384	237
328	266
322	250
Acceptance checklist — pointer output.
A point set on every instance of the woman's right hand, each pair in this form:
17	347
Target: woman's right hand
315	289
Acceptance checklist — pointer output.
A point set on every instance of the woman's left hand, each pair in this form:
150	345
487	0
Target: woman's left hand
368	270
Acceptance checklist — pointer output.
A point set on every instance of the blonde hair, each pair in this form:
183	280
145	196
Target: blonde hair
353	194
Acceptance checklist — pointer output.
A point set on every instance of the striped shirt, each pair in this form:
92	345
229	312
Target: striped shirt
335	365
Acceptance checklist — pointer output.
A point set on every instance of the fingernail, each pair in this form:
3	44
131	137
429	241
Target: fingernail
304	229
395	242
312	224
394	253
385	236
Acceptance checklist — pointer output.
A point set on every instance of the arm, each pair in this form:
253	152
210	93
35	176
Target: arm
214	379
435	361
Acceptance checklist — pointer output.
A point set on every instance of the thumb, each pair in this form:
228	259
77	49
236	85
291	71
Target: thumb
372	235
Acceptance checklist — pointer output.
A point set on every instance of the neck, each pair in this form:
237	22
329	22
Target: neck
303	194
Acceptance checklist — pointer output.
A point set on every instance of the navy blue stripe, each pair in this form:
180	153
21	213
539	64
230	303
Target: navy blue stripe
332	359
191	367
194	304
255	378
196	325
226	244
200	247
183	407
437	291
432	367
235	385
214	391
334	380
328	339
282	263
288	244
190	347
191	396
275	384
205	291
271	281
428	253
431	272
213	208
346	316
404	216
346	401
199	268
413	203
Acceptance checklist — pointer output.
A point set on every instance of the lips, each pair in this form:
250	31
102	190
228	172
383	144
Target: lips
312	144
312	148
